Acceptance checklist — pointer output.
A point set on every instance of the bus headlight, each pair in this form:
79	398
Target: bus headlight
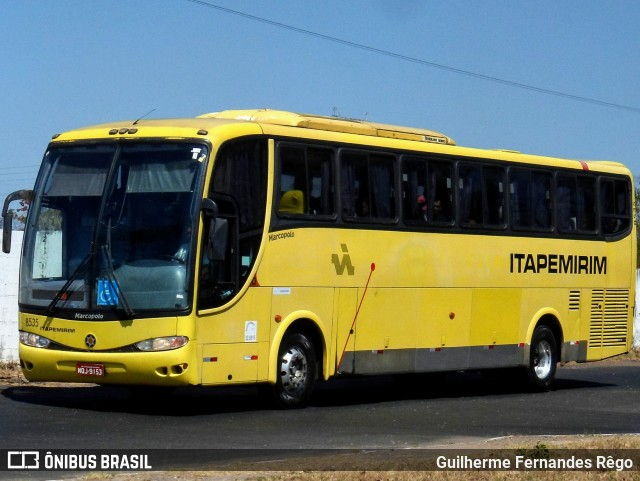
162	343
33	340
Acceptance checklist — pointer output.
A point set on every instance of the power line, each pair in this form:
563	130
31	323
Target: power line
416	60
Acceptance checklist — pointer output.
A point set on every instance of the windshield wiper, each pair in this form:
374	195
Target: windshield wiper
64	291
113	282
111	276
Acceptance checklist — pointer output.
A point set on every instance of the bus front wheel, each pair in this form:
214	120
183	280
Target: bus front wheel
296	371
543	359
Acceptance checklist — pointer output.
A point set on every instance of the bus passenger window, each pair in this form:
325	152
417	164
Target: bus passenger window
576	203
493	183
586	192
427	191
367	186
481	194
529	196
541	196
470	195
566	203
614	206
306	186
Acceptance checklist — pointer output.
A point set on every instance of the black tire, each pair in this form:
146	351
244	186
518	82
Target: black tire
543	359
297	372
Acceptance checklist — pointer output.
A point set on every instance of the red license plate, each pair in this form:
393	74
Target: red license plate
84	369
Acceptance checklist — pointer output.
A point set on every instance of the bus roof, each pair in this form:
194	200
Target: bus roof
255	121
333	124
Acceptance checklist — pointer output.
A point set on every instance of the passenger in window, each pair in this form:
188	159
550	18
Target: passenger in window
541	217
363	209
612	226
422	206
438	214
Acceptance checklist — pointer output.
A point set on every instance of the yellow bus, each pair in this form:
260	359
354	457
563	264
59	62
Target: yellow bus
280	249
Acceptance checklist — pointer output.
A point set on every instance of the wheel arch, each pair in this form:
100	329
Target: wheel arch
551	320
304	323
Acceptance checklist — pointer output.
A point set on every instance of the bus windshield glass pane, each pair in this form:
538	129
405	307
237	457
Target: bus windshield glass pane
111	228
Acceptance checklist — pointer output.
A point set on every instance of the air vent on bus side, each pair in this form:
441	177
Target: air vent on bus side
609	309
574	300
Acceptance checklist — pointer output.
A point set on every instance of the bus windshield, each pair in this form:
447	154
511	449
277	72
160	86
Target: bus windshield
111	229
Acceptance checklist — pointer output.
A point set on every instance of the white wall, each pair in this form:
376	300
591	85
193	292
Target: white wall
9	265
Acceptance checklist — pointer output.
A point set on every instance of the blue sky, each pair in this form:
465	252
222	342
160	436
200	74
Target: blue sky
71	63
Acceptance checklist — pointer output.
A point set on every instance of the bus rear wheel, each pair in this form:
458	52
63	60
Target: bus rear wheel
296	371
543	359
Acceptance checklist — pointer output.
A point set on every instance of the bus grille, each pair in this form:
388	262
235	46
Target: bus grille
609	311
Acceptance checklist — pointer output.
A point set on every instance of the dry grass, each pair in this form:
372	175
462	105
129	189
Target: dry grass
10	373
530	446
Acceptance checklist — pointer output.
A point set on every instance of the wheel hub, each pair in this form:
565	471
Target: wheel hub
294	371
542	359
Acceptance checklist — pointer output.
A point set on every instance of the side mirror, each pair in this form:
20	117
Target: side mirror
209	208
218	232
7	220
7	217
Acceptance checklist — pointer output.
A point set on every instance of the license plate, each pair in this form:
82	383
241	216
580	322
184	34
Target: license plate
83	369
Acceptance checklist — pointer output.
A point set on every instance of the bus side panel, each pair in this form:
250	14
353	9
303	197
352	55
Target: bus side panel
443	332
412	329
386	330
346	301
235	342
494	328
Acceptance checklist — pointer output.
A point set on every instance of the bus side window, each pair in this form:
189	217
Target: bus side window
414	192
493	183
320	181
614	206
566	203
305	182
440	195
470	194
586	198
541	197
576	203
427	191
481	194
367	186
529	196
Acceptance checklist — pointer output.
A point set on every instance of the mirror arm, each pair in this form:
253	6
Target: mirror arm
7	217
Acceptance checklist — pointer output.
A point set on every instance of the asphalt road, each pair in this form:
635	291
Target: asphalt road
357	413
